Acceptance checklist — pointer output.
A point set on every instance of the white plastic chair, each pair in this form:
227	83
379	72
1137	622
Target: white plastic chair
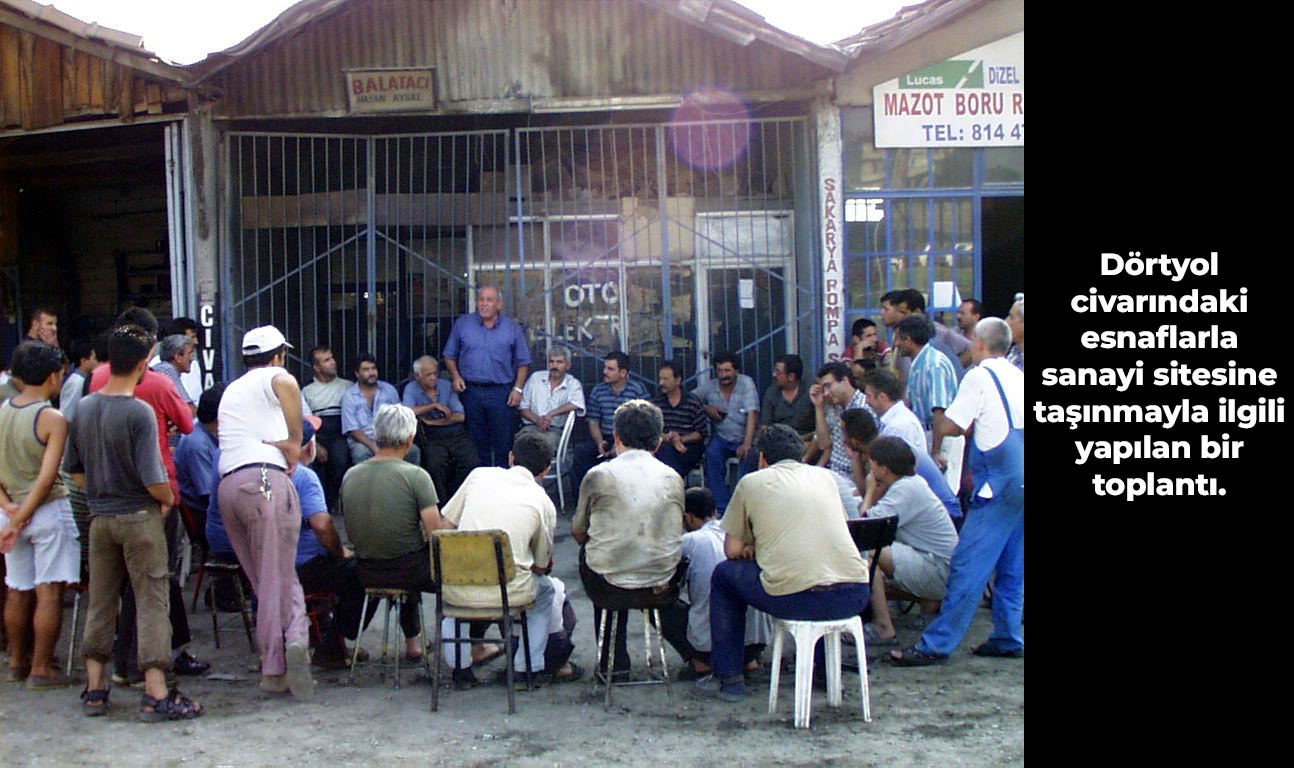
559	459
806	634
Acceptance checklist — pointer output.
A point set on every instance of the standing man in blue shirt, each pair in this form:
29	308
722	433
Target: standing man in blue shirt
731	400
489	360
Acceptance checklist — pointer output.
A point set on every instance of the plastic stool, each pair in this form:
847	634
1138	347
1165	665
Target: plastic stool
806	634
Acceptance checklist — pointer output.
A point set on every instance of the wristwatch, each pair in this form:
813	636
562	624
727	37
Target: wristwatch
518	390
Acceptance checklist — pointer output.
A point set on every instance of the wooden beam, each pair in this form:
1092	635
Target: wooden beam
142	62
349	207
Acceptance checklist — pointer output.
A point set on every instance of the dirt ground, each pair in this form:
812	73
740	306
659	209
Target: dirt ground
969	712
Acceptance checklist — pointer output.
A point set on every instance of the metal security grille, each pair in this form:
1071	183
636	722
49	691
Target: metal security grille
358	242
668	241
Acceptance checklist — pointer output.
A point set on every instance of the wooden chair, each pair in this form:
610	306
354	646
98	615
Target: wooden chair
477	559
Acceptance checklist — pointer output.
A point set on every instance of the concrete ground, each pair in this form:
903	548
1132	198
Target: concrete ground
968	712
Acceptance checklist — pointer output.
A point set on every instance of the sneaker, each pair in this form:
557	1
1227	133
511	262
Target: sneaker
711	687
185	664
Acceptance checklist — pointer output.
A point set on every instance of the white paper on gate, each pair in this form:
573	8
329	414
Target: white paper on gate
946	295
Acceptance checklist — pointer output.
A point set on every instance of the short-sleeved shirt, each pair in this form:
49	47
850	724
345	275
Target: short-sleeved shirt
840	462
415	396
217	539
742	406
797	413
978	401
113	441
924	524
382	503
932	383
310	491
511	500
929	471
487	355
632	509
355	413
793	515
171	372
168	408
899	421
541	398
195	458
603	403
70	394
323	398
686	417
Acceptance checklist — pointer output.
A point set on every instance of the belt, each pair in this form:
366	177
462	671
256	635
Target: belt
254	465
830	587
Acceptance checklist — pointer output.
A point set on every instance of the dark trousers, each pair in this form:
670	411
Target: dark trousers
682	463
325	572
448	455
674	622
490	421
331	471
584	456
411	572
736	584
603	593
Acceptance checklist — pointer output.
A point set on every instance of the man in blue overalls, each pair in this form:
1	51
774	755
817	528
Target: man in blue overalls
992	540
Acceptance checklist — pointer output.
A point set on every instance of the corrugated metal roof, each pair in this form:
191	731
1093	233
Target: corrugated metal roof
910	22
724	18
511	55
88	30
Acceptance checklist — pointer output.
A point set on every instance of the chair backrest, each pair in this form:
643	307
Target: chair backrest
565	440
472	558
871	535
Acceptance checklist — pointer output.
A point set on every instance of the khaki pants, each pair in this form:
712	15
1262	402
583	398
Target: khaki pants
131	545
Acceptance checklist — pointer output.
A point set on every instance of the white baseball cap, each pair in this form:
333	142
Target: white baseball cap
267	338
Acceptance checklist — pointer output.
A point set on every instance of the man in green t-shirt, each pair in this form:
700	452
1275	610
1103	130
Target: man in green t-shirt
390	508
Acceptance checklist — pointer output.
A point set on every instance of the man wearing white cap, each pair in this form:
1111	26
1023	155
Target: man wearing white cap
260	443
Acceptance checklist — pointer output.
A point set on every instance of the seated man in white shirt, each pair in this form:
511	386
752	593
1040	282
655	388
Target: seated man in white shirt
512	500
551	397
885	396
686	625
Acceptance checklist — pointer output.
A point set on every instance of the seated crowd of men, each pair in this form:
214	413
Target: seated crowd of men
260	466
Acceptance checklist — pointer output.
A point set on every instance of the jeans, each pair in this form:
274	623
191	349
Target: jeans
736	584
716	469
490	421
992	539
360	453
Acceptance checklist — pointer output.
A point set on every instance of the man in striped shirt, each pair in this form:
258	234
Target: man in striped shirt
682	446
932	385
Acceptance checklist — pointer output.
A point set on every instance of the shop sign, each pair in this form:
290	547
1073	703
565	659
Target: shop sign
975	99
207	321
390	90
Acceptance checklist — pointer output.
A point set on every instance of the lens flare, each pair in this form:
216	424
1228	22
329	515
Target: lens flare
710	129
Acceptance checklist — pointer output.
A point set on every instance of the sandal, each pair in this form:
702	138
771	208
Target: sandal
176	706
94	703
911	657
986	649
577	672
